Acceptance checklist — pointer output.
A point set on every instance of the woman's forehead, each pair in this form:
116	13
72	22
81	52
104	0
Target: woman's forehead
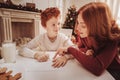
80	19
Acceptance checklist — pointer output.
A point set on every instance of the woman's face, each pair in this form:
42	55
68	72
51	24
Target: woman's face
81	28
53	26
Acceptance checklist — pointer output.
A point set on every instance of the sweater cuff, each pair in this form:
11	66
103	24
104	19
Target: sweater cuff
26	52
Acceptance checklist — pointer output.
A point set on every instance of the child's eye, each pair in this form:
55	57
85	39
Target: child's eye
53	24
58	23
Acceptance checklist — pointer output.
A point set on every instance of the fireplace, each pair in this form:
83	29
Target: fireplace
17	23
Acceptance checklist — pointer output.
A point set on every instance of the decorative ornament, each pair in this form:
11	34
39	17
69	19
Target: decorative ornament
71	18
9	5
73	7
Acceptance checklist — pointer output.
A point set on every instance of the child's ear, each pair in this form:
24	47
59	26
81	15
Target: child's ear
44	27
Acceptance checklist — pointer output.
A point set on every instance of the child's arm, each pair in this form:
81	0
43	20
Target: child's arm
41	57
27	49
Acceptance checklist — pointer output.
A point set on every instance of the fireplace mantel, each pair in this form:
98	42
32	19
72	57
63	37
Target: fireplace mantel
9	16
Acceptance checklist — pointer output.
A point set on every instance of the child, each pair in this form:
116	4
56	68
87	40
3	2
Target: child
51	40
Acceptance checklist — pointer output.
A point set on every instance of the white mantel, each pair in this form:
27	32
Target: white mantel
9	16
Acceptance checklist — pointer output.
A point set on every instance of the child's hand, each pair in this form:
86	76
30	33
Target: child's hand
41	57
89	52
60	61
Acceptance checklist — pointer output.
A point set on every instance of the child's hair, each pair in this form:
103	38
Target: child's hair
48	14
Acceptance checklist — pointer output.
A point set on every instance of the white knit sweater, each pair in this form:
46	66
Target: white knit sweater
42	43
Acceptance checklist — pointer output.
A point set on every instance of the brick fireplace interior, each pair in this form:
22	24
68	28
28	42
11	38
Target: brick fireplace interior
22	29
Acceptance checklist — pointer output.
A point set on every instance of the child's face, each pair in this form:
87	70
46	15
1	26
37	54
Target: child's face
53	26
81	27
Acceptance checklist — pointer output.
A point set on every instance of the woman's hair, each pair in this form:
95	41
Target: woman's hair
99	21
48	14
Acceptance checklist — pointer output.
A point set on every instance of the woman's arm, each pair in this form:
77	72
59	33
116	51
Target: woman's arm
97	64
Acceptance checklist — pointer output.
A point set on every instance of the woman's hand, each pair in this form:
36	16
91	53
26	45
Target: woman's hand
61	51
41	57
60	61
89	52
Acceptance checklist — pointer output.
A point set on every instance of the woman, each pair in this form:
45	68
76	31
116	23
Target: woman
98	40
52	40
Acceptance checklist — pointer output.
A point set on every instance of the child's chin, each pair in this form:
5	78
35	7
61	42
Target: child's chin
56	33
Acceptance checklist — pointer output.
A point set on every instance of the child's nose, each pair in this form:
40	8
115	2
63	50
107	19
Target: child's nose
57	27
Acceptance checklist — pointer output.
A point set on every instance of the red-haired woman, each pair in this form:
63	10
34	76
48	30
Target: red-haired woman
98	38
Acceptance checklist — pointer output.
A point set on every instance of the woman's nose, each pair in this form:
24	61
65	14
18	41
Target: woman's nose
77	28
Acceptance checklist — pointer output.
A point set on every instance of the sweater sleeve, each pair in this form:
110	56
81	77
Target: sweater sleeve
27	49
99	63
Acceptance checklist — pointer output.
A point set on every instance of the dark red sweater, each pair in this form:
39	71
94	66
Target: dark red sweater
106	57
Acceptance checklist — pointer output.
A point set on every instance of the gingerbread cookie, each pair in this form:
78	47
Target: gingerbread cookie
7	75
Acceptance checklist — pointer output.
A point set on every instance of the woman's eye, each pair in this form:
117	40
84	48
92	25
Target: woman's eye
77	23
83	26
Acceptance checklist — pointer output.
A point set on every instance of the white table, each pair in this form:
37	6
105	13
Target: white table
33	70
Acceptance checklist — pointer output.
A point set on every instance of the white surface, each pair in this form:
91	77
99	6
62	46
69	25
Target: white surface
33	70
